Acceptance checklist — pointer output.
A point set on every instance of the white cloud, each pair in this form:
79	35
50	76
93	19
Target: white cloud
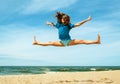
10	8
17	41
36	6
20	40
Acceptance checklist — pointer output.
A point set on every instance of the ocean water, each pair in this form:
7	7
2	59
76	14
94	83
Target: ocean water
18	70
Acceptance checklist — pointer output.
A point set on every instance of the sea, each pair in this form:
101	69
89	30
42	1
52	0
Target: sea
21	70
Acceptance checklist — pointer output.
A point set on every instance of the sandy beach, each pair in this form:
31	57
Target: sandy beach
94	77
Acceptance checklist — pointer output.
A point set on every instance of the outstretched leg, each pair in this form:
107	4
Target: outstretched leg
75	42
56	43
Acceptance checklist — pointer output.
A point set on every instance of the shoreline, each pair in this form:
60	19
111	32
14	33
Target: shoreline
54	72
92	77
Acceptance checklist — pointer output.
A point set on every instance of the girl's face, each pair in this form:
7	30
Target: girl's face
65	20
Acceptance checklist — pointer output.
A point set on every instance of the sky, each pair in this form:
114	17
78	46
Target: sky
21	20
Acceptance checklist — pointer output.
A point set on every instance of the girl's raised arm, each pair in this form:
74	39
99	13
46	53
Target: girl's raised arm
82	22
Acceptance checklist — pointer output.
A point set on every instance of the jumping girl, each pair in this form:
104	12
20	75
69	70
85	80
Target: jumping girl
64	26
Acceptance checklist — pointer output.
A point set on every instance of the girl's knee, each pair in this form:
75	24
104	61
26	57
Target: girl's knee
51	43
75	42
78	41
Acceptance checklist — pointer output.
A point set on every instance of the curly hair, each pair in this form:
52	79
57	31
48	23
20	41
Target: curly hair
60	15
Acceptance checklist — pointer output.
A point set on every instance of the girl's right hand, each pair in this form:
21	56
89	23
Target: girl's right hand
89	18
47	23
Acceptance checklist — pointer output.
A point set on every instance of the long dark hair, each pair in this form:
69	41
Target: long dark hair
60	15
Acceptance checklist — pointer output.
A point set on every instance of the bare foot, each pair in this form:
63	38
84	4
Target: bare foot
35	41
98	39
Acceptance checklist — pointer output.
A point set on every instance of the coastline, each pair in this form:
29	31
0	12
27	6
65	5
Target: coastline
92	77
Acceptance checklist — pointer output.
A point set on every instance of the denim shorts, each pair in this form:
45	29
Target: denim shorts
65	42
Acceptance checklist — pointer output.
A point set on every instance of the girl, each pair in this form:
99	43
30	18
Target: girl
64	26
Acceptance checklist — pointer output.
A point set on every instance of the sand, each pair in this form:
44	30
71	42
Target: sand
95	77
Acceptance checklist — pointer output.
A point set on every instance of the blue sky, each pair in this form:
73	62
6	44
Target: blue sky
20	20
